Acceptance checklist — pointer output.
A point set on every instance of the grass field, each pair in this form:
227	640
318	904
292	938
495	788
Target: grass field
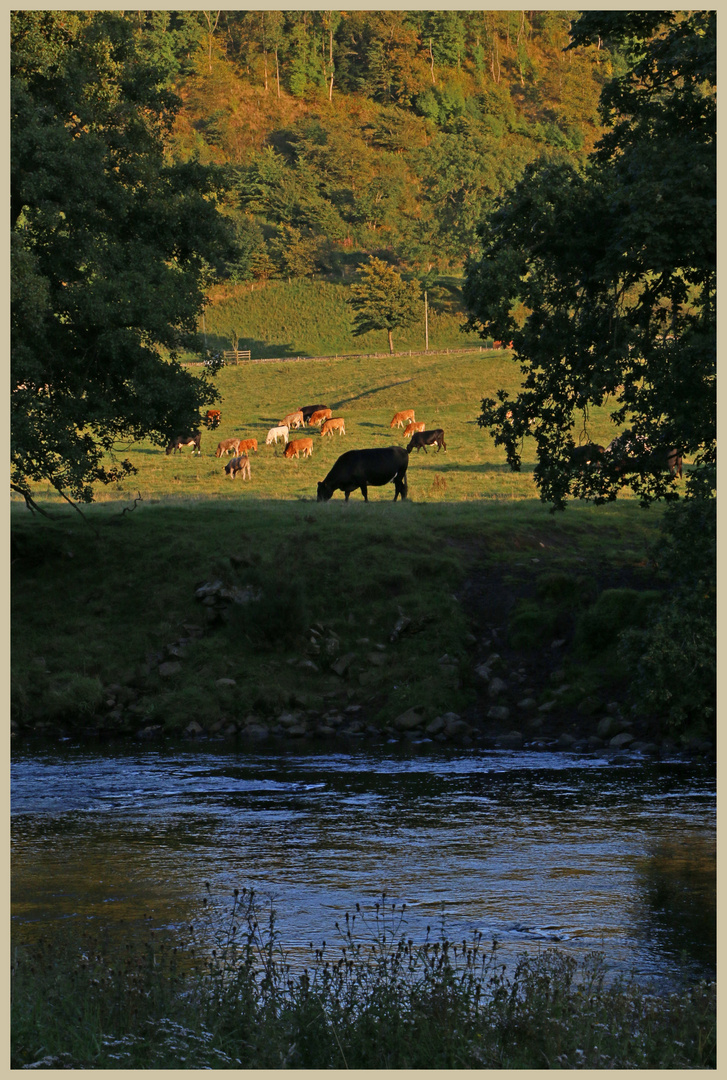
311	318
445	390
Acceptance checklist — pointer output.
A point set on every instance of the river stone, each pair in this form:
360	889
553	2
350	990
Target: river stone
171	667
497	686
225	682
307	665
455	726
256	731
565	739
377	659
548	706
610	726
410	719
342	664
296	731
589	705
498	712
288	719
193	729
511	740
325	731
527	703
623	739
435	726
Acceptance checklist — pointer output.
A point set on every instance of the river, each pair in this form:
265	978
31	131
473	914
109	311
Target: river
533	849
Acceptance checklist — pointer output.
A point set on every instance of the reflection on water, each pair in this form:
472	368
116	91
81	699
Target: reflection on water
529	848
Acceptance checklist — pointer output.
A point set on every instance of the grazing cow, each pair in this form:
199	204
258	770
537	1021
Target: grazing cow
308	410
334	425
276	433
588	454
401	419
226	446
632	453
212	418
246	445
420	440
240	464
299	446
415	425
194	439
359	468
319	416
292	420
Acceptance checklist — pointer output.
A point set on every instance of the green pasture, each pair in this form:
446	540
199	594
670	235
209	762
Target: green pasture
445	390
308	317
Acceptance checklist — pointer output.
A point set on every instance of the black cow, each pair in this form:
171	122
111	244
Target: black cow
588	454
632	453
308	411
194	439
422	439
359	468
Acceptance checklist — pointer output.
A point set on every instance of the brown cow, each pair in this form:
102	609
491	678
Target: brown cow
296	447
319	416
401	419
292	420
239	464
212	418
246	445
415	425
334	425
226	446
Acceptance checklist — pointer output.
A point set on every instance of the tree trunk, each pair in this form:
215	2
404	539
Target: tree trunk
277	70
426	322
431	60
391	342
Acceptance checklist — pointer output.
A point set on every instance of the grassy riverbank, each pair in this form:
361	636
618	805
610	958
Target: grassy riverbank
383	606
372	1000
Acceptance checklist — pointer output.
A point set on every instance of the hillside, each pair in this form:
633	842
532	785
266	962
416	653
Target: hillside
351	133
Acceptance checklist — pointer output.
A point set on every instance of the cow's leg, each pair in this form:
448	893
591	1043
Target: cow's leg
364	490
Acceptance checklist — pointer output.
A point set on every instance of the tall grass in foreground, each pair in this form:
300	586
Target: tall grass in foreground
225	995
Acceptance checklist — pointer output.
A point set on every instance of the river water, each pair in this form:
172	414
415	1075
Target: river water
533	849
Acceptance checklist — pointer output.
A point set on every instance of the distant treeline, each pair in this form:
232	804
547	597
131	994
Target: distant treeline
386	132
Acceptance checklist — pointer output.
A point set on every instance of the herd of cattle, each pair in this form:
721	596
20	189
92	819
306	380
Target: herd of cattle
354	469
385	465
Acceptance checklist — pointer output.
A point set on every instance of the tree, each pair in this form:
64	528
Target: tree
383	300
614	265
112	248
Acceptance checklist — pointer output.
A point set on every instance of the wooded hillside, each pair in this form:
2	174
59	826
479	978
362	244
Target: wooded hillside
364	132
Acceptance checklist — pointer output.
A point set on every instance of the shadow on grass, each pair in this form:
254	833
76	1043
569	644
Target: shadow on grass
259	349
481	467
368	393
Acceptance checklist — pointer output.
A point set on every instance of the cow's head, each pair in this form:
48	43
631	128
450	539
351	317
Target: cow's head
324	491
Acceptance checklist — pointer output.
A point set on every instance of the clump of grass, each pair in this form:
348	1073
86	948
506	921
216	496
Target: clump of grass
224	993
615	611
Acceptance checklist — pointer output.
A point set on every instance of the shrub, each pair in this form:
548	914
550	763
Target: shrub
615	610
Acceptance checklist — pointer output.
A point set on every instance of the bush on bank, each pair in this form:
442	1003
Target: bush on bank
224	994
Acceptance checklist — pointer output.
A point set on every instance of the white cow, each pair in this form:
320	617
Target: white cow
276	433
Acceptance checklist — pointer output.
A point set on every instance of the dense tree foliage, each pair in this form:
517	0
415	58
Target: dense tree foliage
382	300
380	132
112	247
615	265
605	279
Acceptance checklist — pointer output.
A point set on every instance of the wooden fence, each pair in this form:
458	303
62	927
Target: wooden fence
236	356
